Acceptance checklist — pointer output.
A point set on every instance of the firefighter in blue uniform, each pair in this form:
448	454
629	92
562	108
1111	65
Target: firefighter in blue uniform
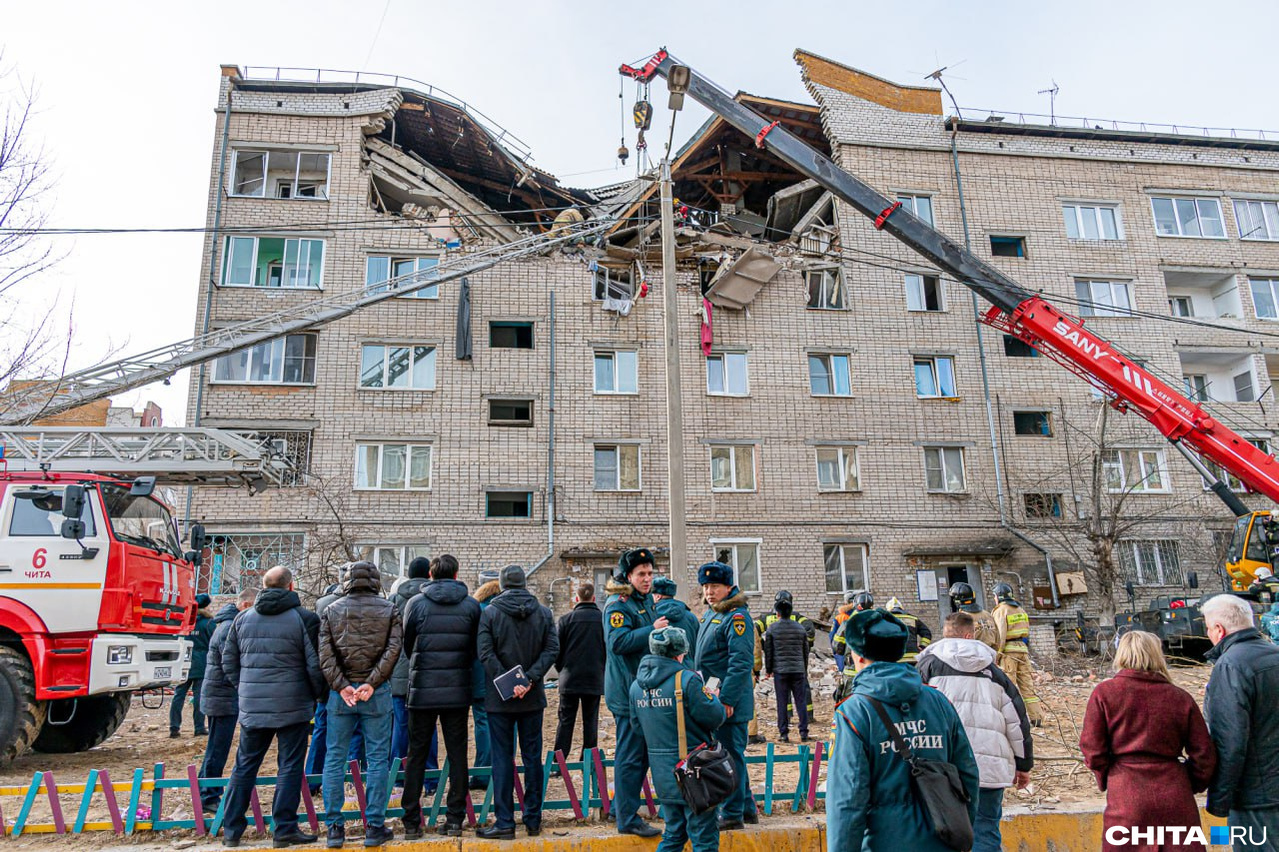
726	650
628	619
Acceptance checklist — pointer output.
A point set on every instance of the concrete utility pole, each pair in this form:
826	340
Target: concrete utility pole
674	395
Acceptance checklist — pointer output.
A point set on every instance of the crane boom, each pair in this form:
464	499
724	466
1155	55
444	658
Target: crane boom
47	399
1015	310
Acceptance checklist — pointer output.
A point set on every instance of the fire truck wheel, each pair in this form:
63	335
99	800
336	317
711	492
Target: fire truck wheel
89	721
21	716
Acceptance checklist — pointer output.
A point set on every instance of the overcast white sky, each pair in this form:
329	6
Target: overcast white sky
126	95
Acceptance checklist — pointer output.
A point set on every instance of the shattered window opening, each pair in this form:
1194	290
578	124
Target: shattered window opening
294	445
924	293
280	174
612	284
508	504
1042	505
510	412
825	289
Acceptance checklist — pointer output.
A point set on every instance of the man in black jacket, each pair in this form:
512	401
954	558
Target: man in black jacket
270	659
1240	700
218	702
401	594
786	661
581	668
516	630
440	629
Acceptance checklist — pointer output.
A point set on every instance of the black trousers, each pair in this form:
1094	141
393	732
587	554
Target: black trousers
569	704
216	751
791	690
504	728
290	757
421	730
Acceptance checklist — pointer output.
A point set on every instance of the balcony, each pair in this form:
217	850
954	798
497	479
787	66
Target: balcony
1203	295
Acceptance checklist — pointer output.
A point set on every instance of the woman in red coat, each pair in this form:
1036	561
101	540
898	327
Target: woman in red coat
1137	728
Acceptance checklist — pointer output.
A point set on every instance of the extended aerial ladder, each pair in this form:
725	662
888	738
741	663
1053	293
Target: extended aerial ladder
47	399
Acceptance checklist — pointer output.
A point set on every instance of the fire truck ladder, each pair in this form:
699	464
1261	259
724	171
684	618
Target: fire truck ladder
173	456
76	389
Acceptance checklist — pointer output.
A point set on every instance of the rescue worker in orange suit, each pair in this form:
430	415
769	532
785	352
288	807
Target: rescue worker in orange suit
1013	653
920	636
862	601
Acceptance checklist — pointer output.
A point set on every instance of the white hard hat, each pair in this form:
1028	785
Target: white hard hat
1264	573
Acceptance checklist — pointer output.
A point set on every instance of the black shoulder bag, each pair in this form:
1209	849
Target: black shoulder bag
938	788
705	776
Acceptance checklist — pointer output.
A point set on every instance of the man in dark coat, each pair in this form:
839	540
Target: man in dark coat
786	661
440	629
270	659
515	630
581	667
360	640
653	696
487	590
628	619
401	594
204	627
677	614
726	650
218	702
1239	707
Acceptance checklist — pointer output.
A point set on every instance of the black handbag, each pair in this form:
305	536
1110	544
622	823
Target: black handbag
705	776
938	788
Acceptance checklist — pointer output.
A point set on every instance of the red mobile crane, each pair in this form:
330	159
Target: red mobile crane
1024	315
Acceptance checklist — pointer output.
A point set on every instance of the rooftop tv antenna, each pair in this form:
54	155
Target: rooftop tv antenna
1052	102
937	75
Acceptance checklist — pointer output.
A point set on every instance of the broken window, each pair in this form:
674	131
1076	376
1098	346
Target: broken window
617	467
829	375
837	469
616	372
288	360
508	504
1008	246
613	284
272	262
1015	347
378	269
511	335
825	289
1042	505
733	468
294	446
397	367
280	174
726	374
392	467
510	412
923	293
1032	423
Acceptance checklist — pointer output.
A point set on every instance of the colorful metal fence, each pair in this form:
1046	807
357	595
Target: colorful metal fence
586	783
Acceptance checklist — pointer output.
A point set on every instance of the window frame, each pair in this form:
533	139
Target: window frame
1016	240
910	202
840	547
923	278
722	357
1131	562
409	446
1090	307
89	515
432	354
516	325
1160	466
1267	219
266	152
612	356
1047	421
842	458
508	400
942	450
430	292
227	255
732	467
1272	284
735	543
1096	207
1196	200
310	357
372	553
932	360
488	504
832	284
1055	510
832	378
617	447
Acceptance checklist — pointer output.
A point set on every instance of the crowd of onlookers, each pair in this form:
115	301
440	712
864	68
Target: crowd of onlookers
375	678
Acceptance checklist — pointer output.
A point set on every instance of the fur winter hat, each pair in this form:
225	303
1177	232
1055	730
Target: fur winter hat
668	642
876	635
715	572
664	586
630	560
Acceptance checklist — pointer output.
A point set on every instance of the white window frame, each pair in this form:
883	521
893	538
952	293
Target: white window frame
734	561
612	355
1197	201
846	459
617	448
432	355
431	261
1080	212
322	193
409	448
910	201
932	362
829	359
1151	466
1272	287
841	549
944	454
1196	387
734	450
373	553
916	297
1163	550
1181	306
1092	306
830	295
1234	483
1267	229
605	287
253	266
278	349
722	359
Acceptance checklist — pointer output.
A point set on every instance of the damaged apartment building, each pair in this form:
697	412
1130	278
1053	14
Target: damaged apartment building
847	422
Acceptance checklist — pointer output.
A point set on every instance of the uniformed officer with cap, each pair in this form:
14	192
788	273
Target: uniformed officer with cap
726	650
629	617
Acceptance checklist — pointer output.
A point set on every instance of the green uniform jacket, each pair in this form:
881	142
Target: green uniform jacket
726	650
653	703
679	615
628	619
